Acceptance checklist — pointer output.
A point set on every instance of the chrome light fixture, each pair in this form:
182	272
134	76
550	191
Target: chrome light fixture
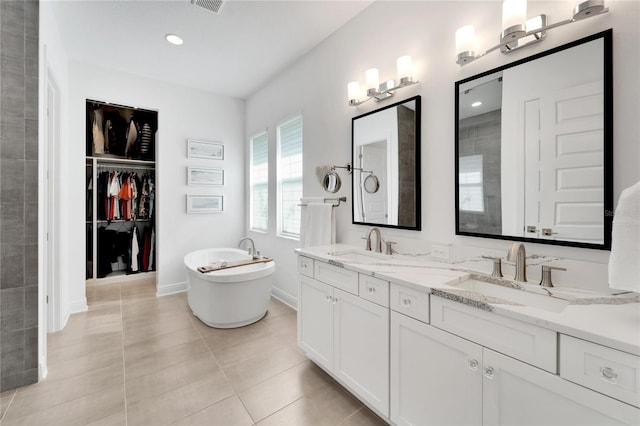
518	31
380	91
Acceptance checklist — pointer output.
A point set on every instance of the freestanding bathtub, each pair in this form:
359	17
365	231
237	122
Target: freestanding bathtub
231	297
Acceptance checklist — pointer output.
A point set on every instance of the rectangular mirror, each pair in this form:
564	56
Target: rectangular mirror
534	148
386	160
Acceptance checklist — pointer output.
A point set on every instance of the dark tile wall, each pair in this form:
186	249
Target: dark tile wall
481	134
18	193
407	169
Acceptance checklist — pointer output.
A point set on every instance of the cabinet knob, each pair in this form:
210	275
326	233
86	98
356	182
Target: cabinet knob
473	364
488	372
329	298
304	266
335	300
371	289
608	374
406	302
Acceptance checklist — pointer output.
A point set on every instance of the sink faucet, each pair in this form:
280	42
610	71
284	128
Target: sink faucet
378	240
517	254
252	251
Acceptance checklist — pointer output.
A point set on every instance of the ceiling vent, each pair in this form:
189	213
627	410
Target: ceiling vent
212	5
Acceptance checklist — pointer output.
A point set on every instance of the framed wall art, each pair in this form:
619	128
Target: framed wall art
204	203
205	176
205	149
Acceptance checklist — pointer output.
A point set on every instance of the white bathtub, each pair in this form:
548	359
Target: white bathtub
231	297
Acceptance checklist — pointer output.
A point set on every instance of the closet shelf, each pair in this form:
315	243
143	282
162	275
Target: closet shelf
121	161
122	220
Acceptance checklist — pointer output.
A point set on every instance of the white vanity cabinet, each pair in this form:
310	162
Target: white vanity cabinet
440	378
346	334
421	359
436	377
515	393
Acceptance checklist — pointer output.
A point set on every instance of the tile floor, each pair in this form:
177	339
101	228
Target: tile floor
134	359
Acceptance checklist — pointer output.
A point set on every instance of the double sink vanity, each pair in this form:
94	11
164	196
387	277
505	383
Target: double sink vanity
422	341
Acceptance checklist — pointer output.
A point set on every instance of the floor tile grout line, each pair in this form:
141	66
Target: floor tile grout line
8	405
235	392
352	414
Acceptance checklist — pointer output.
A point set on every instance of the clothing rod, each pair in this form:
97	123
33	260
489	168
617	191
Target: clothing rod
330	200
124	167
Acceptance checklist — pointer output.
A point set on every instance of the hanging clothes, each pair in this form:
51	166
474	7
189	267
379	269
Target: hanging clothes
114	190
135	250
98	135
132	137
146	141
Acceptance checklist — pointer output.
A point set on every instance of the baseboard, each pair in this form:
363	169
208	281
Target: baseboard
167	290
285	297
76	306
42	371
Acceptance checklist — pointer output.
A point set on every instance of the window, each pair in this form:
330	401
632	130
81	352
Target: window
470	184
259	182
289	177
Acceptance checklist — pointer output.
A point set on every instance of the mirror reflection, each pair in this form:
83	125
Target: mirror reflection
532	148
386	166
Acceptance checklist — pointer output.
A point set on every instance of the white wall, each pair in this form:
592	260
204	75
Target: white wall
316	86
183	114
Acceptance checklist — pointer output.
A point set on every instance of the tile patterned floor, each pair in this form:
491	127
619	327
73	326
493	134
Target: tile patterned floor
134	359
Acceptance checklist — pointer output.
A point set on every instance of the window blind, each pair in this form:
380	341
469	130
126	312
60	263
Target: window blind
259	182
289	176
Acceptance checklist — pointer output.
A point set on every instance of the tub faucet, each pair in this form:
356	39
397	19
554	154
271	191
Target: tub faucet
252	251
517	254
378	240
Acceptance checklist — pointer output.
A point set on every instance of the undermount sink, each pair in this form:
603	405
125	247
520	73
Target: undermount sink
521	297
358	256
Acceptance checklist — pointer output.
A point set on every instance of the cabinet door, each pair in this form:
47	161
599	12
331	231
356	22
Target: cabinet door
361	331
315	321
436	377
516	393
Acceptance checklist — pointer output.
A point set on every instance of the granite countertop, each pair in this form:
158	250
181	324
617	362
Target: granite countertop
610	320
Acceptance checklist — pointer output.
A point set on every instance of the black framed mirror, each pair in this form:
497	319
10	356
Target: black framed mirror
385	147
534	148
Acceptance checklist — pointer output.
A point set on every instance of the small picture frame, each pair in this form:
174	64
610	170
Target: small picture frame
205	149
205	176
204	203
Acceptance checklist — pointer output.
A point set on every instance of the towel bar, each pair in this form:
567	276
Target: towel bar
329	200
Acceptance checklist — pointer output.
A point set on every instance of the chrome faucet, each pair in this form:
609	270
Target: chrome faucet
517	254
252	251
378	241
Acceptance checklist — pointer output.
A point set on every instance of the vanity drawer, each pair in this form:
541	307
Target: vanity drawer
534	345
600	368
336	276
305	266
411	302
374	289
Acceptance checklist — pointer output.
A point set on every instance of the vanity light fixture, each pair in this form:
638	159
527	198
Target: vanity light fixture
380	91
174	39
518	31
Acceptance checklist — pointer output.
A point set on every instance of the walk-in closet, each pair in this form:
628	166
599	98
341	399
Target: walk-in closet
120	192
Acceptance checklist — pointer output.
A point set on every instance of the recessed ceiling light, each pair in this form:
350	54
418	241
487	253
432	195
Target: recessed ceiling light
476	104
174	39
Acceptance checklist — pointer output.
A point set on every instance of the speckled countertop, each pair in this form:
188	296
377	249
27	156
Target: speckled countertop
610	320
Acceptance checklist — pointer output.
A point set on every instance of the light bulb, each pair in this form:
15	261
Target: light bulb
514	12
372	78
465	39
405	69
353	90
